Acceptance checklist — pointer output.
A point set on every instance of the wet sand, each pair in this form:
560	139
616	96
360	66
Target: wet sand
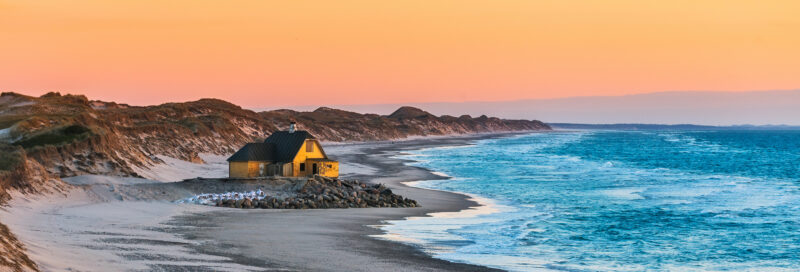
109	227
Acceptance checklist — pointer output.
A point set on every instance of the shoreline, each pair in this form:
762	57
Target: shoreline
190	237
462	204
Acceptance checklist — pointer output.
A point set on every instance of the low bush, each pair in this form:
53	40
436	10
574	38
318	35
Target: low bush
59	136
9	157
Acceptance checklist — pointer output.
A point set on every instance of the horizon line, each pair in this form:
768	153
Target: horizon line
67	92
535	99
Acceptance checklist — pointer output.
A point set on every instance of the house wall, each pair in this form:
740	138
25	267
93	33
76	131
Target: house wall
287	169
331	169
302	156
237	169
248	169
327	168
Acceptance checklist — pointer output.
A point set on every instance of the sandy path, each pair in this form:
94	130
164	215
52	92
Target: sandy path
109	228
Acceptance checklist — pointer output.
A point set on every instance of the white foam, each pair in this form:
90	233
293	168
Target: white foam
506	262
608	164
697	144
625	193
425	231
485	206
446	147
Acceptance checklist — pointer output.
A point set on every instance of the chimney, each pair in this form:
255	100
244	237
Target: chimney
292	127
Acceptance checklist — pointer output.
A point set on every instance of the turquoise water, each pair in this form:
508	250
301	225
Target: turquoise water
619	201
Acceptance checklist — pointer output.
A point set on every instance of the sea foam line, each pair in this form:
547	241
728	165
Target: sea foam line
485	206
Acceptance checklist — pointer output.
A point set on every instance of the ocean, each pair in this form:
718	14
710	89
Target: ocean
617	201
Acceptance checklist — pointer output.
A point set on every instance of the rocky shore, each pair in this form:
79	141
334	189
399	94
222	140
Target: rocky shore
314	193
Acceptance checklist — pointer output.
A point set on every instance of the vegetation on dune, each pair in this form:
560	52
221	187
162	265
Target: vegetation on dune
14	257
9	156
191	123
205	124
96	137
58	136
8	121
338	125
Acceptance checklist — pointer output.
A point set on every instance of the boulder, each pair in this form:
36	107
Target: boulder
323	193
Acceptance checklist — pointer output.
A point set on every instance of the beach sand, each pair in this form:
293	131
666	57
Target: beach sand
114	226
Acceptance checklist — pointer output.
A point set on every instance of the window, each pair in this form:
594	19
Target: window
309	146
302	167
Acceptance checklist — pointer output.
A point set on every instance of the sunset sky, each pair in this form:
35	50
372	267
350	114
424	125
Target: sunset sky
281	53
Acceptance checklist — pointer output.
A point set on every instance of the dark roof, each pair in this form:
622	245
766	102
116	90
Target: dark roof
287	144
255	152
281	146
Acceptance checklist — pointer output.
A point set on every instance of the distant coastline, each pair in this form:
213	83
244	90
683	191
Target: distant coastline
767	107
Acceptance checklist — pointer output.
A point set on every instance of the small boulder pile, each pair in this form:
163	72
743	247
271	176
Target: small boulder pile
326	193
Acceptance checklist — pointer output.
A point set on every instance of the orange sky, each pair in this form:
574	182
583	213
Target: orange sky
279	53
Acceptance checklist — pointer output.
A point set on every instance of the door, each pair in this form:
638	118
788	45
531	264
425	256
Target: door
314	169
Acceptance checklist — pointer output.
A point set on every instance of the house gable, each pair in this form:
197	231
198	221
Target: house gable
301	166
288	144
315	152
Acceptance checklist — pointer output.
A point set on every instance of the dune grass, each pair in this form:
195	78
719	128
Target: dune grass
9	157
59	136
8	121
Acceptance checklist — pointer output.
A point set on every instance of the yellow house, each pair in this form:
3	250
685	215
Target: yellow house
284	153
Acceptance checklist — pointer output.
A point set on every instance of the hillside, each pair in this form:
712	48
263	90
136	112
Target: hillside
52	136
43	139
338	125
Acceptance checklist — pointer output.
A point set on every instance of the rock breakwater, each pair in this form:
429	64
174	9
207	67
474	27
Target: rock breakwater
314	193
